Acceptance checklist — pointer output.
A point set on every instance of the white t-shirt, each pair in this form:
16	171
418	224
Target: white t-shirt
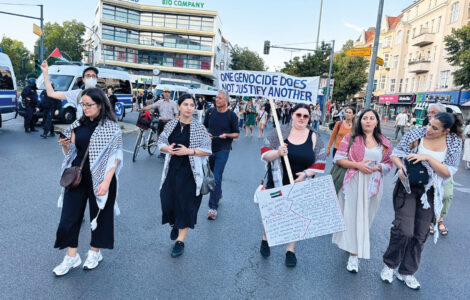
72	98
402	119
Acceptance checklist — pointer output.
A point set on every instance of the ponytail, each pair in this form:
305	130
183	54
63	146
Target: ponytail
450	121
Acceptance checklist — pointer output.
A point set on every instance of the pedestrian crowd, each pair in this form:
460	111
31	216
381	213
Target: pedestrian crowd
196	151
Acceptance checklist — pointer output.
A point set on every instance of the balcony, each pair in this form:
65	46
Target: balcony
418	67
424	38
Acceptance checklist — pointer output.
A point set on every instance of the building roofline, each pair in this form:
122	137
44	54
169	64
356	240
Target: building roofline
154	8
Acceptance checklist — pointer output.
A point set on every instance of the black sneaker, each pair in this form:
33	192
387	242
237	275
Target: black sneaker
264	249
44	136
51	134
178	249
291	260
174	233
34	130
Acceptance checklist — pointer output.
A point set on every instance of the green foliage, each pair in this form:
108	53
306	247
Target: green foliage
245	59
20	57
316	64
68	37
457	45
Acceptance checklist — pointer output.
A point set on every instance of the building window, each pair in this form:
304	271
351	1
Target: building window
375	85
120	35
435	53
109	12
404	61
398	38
432	26
145	38
412	84
182	41
407	36
207	24
195	23
430	83
170	21
395	61
406	85
382	82
158	20
121	14
400	86
133	17
392	85
146	19
438	24
183	22
414	32
386	58
158	39
444	81
454	13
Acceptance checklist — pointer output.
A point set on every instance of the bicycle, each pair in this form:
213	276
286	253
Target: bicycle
150	143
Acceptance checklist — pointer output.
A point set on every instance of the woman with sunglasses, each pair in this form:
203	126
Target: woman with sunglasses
367	159
306	152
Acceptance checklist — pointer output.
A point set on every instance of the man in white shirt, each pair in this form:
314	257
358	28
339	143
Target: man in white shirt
89	77
400	123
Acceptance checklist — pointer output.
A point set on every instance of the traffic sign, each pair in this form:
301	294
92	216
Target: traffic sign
37	30
119	110
359	52
380	61
156	71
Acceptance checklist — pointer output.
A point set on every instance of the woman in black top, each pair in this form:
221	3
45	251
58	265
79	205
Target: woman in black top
97	138
187	145
112	98
306	153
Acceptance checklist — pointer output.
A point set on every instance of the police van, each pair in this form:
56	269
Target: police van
67	77
176	91
8	89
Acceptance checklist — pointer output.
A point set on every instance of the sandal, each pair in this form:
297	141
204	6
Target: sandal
431	230
444	231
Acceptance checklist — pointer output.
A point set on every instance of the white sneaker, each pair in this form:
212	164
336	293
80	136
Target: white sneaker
353	264
409	280
387	274
67	264
92	260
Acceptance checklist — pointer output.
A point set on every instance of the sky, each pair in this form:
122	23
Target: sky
292	23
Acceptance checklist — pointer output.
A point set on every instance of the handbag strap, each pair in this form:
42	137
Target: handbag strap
84	158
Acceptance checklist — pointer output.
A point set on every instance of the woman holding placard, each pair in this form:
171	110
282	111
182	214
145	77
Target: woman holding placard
367	160
306	152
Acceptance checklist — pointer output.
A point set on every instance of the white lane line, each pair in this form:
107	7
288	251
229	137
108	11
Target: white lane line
456	183
463	190
131	152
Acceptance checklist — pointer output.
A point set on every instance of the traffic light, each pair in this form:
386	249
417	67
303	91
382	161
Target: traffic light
37	67
267	45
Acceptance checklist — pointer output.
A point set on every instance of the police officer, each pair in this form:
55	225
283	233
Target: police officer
30	101
50	108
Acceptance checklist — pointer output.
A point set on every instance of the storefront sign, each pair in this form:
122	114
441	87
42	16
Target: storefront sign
388	98
451	97
183	3
405	99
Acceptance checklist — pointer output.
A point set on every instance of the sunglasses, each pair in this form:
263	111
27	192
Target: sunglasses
299	115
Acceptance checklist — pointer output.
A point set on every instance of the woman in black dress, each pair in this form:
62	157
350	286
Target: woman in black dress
187	146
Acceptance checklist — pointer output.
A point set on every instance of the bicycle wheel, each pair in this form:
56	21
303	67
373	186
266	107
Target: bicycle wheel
137	145
152	143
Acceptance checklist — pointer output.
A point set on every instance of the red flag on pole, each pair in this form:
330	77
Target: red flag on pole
56	53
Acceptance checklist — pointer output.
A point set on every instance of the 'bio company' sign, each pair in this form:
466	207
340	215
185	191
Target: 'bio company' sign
183	3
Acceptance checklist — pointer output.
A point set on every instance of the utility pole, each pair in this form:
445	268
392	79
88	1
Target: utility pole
327	96
373	59
319	22
41	47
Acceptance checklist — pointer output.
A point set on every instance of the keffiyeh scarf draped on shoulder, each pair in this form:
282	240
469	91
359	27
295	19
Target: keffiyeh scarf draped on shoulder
105	149
451	161
356	154
199	139
271	143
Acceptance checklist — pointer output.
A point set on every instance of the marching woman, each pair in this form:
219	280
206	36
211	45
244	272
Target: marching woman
96	140
250	117
435	150
187	145
367	160
306	152
340	130
262	120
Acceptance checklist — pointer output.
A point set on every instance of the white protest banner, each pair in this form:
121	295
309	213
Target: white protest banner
300	211
270	85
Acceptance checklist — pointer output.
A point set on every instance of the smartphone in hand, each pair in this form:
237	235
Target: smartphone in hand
62	136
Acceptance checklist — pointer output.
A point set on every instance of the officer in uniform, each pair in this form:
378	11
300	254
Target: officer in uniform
30	101
50	108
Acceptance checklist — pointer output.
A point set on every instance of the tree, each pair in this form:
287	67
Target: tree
20	57
316	64
457	45
245	59
68	37
349	73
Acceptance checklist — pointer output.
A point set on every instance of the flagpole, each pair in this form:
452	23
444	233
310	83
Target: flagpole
281	140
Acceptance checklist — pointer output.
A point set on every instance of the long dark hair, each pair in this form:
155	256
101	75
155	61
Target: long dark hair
358	127
184	97
450	121
99	97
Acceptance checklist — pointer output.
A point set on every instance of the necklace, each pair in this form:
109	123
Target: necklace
182	125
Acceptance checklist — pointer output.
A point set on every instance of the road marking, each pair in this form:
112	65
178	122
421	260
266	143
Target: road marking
463	190
456	183
131	152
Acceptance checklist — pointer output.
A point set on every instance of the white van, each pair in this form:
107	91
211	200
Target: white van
69	77
176	91
8	89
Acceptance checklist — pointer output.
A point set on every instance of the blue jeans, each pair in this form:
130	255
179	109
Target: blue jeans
217	162
316	125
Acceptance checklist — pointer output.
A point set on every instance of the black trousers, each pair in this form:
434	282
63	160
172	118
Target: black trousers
410	229
29	118
161	125
73	208
48	116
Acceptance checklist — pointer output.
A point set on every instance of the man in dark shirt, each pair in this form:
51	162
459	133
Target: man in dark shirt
50	108
222	124
30	101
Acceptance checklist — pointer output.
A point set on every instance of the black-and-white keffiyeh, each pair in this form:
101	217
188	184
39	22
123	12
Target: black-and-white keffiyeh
451	160
105	149
199	139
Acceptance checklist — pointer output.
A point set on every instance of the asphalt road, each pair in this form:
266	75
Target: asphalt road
221	259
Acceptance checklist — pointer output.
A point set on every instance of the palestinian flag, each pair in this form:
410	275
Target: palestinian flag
56	54
276	194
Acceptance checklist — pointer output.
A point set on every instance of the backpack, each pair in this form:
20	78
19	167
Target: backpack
144	121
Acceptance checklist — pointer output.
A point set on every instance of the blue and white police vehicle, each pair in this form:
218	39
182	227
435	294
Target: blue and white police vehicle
8	89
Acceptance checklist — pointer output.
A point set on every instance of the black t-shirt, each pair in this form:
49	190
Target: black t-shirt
220	123
267	107
200	105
